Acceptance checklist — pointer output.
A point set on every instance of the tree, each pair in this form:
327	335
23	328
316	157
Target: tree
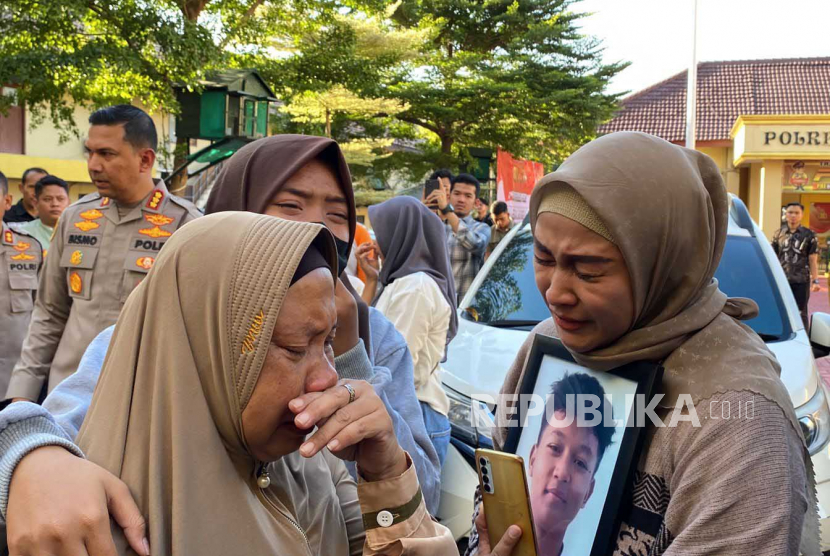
366	152
321	107
66	53
514	74
60	54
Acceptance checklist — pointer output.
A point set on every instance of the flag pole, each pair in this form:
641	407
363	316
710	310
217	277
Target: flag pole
691	87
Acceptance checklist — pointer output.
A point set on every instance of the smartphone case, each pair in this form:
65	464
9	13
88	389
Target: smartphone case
509	502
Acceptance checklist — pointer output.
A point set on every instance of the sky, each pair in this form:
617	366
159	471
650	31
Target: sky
656	35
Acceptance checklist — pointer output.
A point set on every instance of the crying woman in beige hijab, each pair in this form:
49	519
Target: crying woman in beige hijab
628	233
220	368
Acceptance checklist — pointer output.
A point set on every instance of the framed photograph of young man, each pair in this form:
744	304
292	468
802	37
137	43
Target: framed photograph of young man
578	434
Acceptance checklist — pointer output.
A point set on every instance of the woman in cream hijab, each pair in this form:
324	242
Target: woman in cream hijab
628	233
220	367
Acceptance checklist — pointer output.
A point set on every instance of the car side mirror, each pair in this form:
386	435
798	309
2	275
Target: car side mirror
820	334
470	314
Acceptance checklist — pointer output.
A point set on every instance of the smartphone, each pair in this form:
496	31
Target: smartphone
506	498
430	186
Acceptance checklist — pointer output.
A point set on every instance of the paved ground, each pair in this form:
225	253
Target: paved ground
820	301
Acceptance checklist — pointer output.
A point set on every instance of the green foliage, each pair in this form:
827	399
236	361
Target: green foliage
63	53
367	198
514	74
66	53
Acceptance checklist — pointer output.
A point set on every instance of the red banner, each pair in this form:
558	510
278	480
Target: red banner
820	217
515	179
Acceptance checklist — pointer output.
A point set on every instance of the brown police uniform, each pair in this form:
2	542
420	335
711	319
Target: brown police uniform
95	261
22	258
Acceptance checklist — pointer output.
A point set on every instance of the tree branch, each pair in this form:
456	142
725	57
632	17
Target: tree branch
105	15
415	121
249	13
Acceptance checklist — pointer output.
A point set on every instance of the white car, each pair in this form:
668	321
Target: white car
503	305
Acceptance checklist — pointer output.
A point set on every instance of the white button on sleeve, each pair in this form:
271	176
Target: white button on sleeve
385	518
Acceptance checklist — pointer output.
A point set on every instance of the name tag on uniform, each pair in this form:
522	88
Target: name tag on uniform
84	239
142	244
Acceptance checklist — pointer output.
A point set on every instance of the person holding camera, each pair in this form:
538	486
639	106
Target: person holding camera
466	238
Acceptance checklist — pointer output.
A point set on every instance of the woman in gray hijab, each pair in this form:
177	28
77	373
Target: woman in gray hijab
414	289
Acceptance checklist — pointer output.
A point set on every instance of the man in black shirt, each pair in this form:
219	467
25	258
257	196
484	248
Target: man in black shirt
797	250
25	210
482	212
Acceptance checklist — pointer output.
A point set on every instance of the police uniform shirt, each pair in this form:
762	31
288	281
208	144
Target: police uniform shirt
96	259
22	259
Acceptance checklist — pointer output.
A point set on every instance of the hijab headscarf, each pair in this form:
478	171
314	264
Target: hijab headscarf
666	209
253	176
185	357
412	239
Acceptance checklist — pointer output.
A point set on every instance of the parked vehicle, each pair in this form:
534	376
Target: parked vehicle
503	305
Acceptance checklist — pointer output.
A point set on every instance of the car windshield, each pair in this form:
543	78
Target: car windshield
508	296
743	272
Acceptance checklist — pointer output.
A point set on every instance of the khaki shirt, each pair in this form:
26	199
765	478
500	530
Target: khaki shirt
497	234
22	259
95	261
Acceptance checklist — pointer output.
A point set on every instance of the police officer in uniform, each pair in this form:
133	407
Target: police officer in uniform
103	247
21	254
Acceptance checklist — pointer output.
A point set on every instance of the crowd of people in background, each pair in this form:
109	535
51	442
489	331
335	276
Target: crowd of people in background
43	198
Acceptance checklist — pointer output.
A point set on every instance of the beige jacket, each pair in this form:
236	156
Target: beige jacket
96	259
341	518
22	259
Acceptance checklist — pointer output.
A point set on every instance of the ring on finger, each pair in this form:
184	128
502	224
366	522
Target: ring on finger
351	391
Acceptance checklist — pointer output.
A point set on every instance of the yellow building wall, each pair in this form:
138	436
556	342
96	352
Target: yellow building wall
363	216
723	158
67	160
73	171
754	204
770	196
43	141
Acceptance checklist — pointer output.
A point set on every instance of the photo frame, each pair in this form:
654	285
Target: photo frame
588	501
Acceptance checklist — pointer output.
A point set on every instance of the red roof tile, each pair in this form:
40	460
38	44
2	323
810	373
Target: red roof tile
726	90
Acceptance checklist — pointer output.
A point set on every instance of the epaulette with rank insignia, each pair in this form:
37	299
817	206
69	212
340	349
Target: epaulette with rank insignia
155	200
